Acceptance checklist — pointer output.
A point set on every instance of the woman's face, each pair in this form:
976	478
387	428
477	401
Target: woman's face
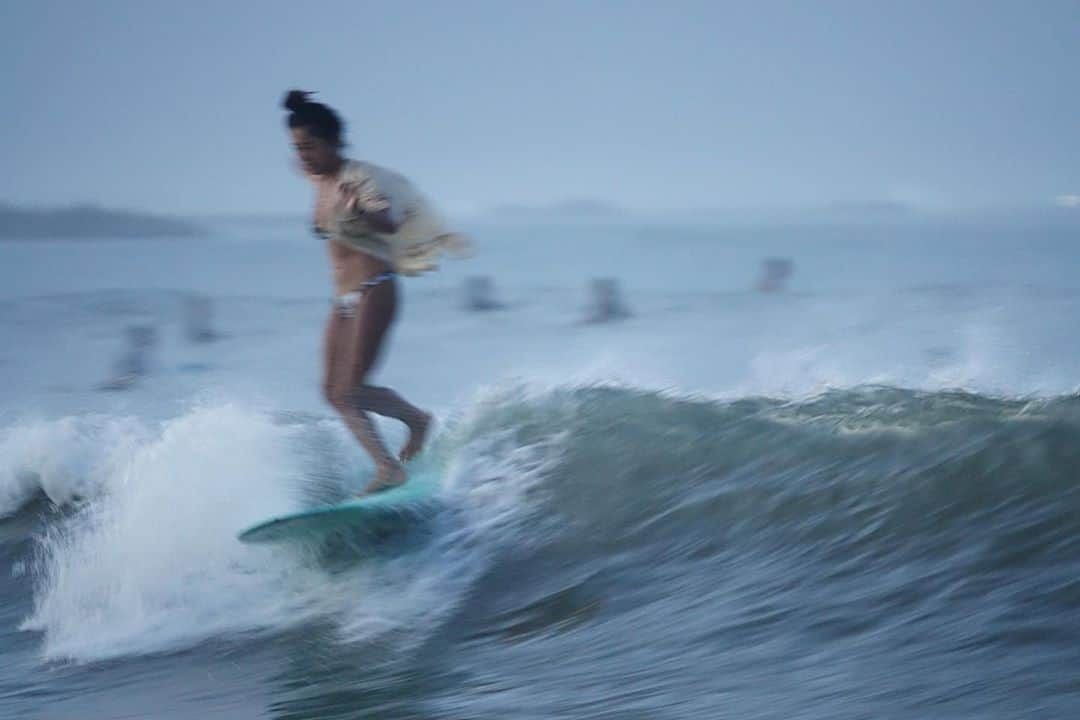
318	156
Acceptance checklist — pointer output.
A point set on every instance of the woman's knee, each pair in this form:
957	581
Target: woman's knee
340	398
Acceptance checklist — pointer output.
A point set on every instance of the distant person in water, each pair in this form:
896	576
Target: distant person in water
376	227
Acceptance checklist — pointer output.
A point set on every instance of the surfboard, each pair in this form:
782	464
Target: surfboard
394	506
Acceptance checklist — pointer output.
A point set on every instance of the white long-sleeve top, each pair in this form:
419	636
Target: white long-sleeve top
360	188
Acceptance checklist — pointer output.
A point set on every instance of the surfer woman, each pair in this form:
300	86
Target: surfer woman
376	226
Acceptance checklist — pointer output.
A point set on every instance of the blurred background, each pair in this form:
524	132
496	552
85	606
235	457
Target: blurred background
758	398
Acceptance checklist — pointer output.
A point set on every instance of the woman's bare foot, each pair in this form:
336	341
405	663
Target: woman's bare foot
417	436
386	477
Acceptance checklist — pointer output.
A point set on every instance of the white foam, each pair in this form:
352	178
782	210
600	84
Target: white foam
152	564
65	459
153	561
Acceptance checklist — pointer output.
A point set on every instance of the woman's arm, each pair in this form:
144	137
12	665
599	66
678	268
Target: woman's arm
380	221
366	201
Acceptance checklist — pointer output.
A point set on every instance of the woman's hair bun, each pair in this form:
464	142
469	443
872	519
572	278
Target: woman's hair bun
296	99
320	121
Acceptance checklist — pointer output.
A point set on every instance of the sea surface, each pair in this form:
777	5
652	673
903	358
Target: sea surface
856	498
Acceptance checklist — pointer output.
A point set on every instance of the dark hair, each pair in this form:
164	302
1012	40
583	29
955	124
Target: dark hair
318	119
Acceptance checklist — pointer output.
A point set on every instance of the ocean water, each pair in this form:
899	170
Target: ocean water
859	498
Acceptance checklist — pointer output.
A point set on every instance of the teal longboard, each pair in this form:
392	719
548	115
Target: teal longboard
377	510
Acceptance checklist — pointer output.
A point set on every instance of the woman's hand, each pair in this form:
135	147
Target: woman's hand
349	195
363	200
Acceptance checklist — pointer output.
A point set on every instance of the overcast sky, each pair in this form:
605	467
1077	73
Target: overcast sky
173	106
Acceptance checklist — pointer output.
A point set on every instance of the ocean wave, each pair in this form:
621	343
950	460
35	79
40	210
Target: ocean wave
562	506
144	559
627	453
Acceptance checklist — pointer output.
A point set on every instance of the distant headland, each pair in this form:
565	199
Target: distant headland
88	221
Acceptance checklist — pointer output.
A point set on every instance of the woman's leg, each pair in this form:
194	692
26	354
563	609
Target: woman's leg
376	313
351	349
340	364
384	401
